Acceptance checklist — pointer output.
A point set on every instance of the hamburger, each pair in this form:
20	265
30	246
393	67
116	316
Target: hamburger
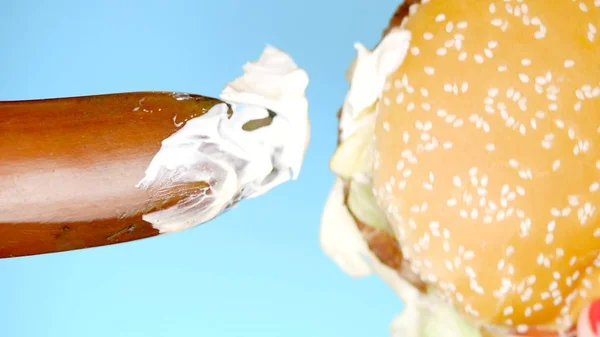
468	166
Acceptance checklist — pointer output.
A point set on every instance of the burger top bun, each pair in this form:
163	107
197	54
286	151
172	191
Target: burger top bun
488	157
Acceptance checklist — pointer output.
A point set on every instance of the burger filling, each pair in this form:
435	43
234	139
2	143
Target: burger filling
355	232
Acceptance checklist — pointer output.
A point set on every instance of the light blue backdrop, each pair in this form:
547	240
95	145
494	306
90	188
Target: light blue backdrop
255	271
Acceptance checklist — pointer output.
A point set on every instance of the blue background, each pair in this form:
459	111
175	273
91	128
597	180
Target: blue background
255	271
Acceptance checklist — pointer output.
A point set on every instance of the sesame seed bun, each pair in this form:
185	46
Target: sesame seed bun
488	158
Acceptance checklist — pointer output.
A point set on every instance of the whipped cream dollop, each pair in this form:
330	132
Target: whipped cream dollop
236	162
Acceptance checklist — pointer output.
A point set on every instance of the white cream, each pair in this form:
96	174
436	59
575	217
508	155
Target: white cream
236	163
275	82
368	74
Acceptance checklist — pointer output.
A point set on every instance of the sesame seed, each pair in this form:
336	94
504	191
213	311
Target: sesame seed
400	98
457	181
551	226
510	250
501	264
524	78
555	212
428	36
538	35
446	233
412	9
488	53
429	70
449	27
464	87
573	261
415	50
522	328
440	18
556	165
569	63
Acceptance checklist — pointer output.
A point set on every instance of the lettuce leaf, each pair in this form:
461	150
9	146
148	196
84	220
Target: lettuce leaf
364	206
